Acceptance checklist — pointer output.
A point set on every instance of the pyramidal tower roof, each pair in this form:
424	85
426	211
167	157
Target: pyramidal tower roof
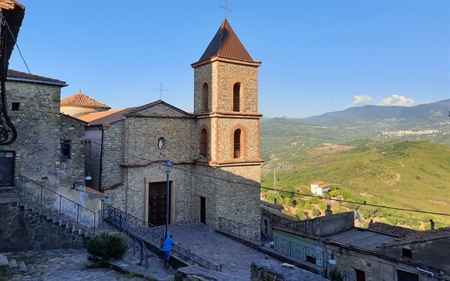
83	101
226	45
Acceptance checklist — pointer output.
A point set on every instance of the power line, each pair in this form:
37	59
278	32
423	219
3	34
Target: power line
360	203
285	191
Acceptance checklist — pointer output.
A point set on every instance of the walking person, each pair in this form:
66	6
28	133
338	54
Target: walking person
167	248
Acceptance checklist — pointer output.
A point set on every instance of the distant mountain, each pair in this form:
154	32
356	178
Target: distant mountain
427	122
395	116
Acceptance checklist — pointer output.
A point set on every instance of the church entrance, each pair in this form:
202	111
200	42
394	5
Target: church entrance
157	198
6	168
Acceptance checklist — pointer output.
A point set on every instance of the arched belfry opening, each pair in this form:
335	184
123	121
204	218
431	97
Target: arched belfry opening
203	149
237	97
237	144
205	97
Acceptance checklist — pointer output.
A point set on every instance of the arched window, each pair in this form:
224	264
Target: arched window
203	143
237	143
205	99
237	97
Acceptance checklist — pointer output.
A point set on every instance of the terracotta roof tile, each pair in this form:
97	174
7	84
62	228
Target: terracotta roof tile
226	44
98	116
83	101
421	236
396	231
14	75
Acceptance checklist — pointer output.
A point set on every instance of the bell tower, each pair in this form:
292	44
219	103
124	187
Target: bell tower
226	101
228	125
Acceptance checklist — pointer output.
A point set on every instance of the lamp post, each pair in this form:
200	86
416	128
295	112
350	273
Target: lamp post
168	168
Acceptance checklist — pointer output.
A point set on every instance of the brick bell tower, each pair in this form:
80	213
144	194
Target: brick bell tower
228	127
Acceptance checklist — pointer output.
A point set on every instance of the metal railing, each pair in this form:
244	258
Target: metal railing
191	258
132	226
139	250
47	199
239	229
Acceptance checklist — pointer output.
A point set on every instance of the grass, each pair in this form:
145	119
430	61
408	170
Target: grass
399	174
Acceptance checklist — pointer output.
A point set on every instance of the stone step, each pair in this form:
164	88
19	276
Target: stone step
3	260
22	266
13	264
10	266
31	268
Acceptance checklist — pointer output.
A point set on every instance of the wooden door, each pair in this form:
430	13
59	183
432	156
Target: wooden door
157	203
6	168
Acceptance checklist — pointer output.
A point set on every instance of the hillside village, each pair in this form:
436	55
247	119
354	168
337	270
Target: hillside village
70	167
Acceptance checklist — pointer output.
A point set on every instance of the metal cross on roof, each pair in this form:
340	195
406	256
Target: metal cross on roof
226	8
160	90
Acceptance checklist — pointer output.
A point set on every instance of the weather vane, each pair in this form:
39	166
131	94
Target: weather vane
226	8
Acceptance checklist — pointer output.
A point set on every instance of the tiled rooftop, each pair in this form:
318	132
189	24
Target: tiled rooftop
83	101
14	75
396	231
226	44
421	236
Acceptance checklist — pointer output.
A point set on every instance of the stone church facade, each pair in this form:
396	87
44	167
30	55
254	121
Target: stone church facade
215	149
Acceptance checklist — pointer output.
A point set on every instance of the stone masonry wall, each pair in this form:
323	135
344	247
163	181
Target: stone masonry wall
38	125
22	230
72	169
230	192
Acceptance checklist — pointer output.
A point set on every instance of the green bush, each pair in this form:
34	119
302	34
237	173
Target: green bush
335	275
105	247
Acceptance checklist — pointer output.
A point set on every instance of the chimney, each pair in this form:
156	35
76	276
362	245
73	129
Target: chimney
328	211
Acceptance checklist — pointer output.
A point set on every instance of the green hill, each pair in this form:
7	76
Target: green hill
396	174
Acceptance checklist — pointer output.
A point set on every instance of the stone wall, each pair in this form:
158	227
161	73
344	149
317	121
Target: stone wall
38	130
326	225
22	230
72	168
230	192
264	270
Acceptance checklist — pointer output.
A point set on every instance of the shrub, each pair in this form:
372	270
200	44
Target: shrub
105	247
335	275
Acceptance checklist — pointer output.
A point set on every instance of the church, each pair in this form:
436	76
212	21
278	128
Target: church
215	151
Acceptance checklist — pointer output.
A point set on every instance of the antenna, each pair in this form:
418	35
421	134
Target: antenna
358	216
160	89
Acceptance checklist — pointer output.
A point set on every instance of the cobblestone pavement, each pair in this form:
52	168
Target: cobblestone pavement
67	265
72	265
235	257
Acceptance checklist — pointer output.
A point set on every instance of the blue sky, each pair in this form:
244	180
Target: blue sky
317	56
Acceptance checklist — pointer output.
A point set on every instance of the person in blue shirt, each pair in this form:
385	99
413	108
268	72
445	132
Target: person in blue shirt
167	248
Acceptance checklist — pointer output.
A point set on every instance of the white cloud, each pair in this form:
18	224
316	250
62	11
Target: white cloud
360	100
397	101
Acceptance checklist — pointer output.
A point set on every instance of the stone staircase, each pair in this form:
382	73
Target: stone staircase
10	266
58	219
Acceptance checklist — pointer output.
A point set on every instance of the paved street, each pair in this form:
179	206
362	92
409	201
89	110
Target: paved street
72	265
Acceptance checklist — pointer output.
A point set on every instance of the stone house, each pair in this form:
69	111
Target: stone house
49	146
361	254
214	150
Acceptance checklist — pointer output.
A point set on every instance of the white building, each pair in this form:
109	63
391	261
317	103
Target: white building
319	188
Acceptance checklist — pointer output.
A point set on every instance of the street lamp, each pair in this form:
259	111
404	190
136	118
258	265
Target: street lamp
168	168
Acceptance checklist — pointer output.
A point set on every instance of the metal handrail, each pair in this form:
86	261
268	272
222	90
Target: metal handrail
50	200
131	225
239	229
